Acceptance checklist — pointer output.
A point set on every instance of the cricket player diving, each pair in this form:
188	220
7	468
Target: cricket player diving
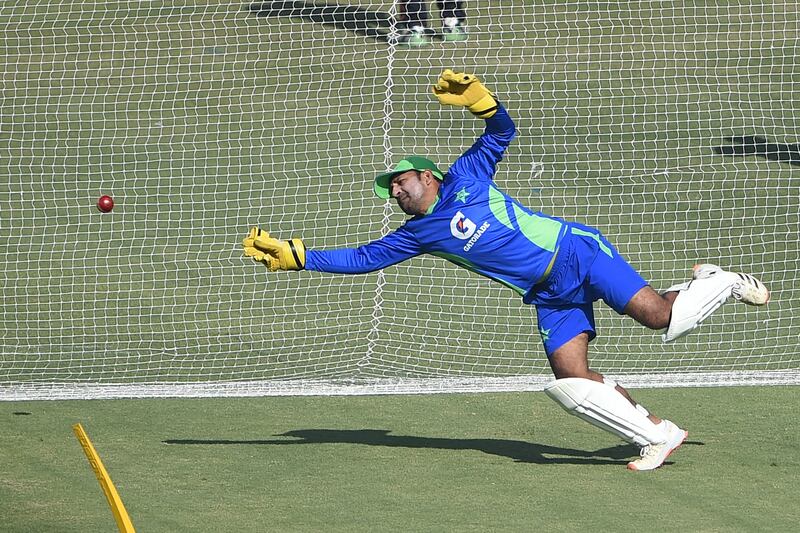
558	266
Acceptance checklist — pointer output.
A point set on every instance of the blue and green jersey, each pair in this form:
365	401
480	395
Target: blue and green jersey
473	224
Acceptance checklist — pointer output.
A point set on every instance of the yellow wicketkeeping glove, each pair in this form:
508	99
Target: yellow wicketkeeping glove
275	254
459	88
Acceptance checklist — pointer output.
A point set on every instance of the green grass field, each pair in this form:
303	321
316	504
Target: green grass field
487	462
203	118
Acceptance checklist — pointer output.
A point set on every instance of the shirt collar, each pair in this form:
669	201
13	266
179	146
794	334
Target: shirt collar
433	205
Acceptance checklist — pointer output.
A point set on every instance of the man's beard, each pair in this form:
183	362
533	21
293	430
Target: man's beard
407	204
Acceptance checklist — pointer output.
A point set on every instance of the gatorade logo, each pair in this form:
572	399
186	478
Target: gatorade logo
461	227
477	236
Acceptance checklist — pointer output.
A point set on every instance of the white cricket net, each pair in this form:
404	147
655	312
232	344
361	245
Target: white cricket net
671	126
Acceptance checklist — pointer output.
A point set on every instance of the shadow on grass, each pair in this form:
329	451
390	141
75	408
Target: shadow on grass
519	451
746	145
365	22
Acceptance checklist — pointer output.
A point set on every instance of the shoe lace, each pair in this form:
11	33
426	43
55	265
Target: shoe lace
648	450
738	291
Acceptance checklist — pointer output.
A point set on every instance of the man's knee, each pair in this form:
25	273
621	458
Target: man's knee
571	360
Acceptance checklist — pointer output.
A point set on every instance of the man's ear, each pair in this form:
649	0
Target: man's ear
428	175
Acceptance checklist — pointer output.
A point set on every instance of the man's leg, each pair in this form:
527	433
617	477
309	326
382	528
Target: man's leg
416	11
682	308
567	330
571	360
451	8
412	23
651	309
608	406
455	20
685	306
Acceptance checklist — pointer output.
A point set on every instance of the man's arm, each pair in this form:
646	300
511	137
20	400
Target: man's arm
292	254
481	160
466	90
389	250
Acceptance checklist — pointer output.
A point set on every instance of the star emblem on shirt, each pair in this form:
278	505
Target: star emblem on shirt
545	333
461	195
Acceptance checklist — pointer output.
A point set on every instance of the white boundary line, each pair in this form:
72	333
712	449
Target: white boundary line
373	386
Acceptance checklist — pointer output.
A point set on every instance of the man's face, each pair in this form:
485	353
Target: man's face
411	189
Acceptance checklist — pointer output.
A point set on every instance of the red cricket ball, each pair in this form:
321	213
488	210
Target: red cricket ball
105	203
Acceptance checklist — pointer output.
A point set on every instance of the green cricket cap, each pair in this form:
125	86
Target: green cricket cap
412	162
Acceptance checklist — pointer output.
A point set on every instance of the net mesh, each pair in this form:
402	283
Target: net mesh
671	126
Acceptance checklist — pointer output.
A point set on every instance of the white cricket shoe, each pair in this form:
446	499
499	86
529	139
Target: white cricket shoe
654	455
746	288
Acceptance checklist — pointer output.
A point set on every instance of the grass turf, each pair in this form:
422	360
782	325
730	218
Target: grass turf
502	462
200	121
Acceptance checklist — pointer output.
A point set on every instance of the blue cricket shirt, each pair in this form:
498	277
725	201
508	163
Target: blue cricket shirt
472	223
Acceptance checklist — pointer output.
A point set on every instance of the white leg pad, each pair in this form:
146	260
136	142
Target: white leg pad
603	406
696	301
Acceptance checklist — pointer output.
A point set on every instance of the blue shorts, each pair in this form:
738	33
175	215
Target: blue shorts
587	268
